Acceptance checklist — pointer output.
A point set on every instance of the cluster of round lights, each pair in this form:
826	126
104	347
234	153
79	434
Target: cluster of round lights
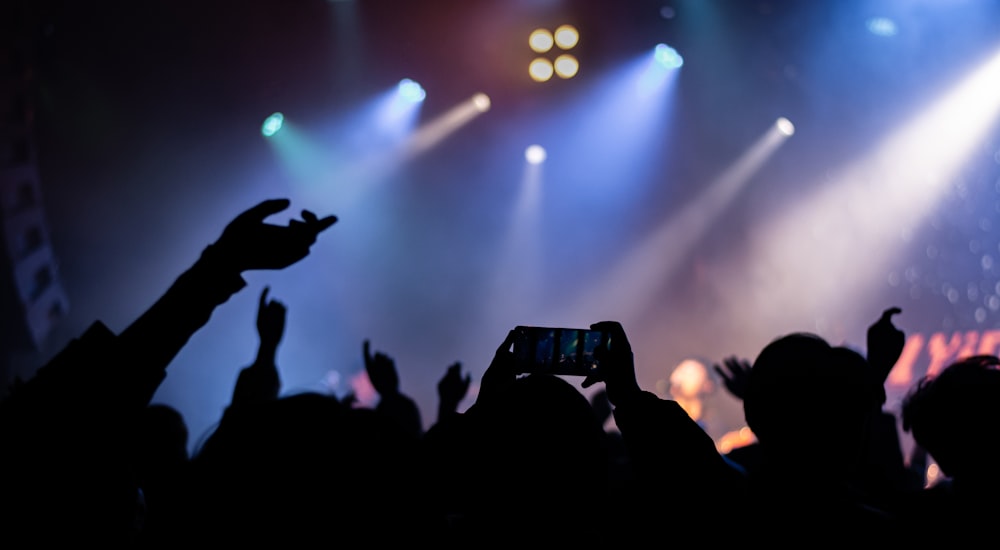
542	41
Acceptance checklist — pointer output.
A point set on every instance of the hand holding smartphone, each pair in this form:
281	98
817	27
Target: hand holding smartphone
558	351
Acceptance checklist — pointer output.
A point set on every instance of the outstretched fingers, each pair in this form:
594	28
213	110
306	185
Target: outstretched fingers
722	374
264	209
317	224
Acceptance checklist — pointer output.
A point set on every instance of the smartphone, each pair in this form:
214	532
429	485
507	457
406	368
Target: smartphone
562	351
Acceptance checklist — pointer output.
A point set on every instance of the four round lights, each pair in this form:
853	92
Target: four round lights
564	65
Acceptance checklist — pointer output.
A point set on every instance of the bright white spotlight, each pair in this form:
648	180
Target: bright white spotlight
440	127
540	40
882	26
482	102
862	209
663	252
784	126
566	66
272	124
411	91
566	36
540	69
668	57
535	154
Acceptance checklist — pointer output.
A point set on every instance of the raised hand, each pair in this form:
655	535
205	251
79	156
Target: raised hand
270	322
381	371
617	366
452	388
501	372
885	344
734	376
248	243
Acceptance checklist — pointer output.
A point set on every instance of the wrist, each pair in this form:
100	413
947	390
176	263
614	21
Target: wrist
221	259
267	353
214	262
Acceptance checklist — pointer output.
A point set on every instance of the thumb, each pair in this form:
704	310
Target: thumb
508	341
887	314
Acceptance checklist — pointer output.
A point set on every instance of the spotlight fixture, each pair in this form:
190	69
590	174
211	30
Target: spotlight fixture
411	91
566	66
482	102
272	124
540	69
558	42
535	154
566	37
540	40
668	57
785	126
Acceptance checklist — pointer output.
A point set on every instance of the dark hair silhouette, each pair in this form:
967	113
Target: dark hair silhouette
955	416
807	398
540	459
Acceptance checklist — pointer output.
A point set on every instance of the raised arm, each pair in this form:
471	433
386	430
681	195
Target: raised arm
885	345
246	244
68	428
452	389
676	463
393	403
261	380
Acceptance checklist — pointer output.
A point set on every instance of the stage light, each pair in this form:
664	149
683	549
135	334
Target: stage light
520	256
482	102
540	40
566	66
272	124
535	154
668	57
411	91
566	37
862	209
434	131
664	251
540	69
784	126
882	26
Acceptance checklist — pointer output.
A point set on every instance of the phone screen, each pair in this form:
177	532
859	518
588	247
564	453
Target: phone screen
566	351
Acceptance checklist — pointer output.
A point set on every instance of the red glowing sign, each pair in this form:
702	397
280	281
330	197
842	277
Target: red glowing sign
927	355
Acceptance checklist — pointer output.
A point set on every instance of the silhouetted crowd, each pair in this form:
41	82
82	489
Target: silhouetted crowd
86	459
